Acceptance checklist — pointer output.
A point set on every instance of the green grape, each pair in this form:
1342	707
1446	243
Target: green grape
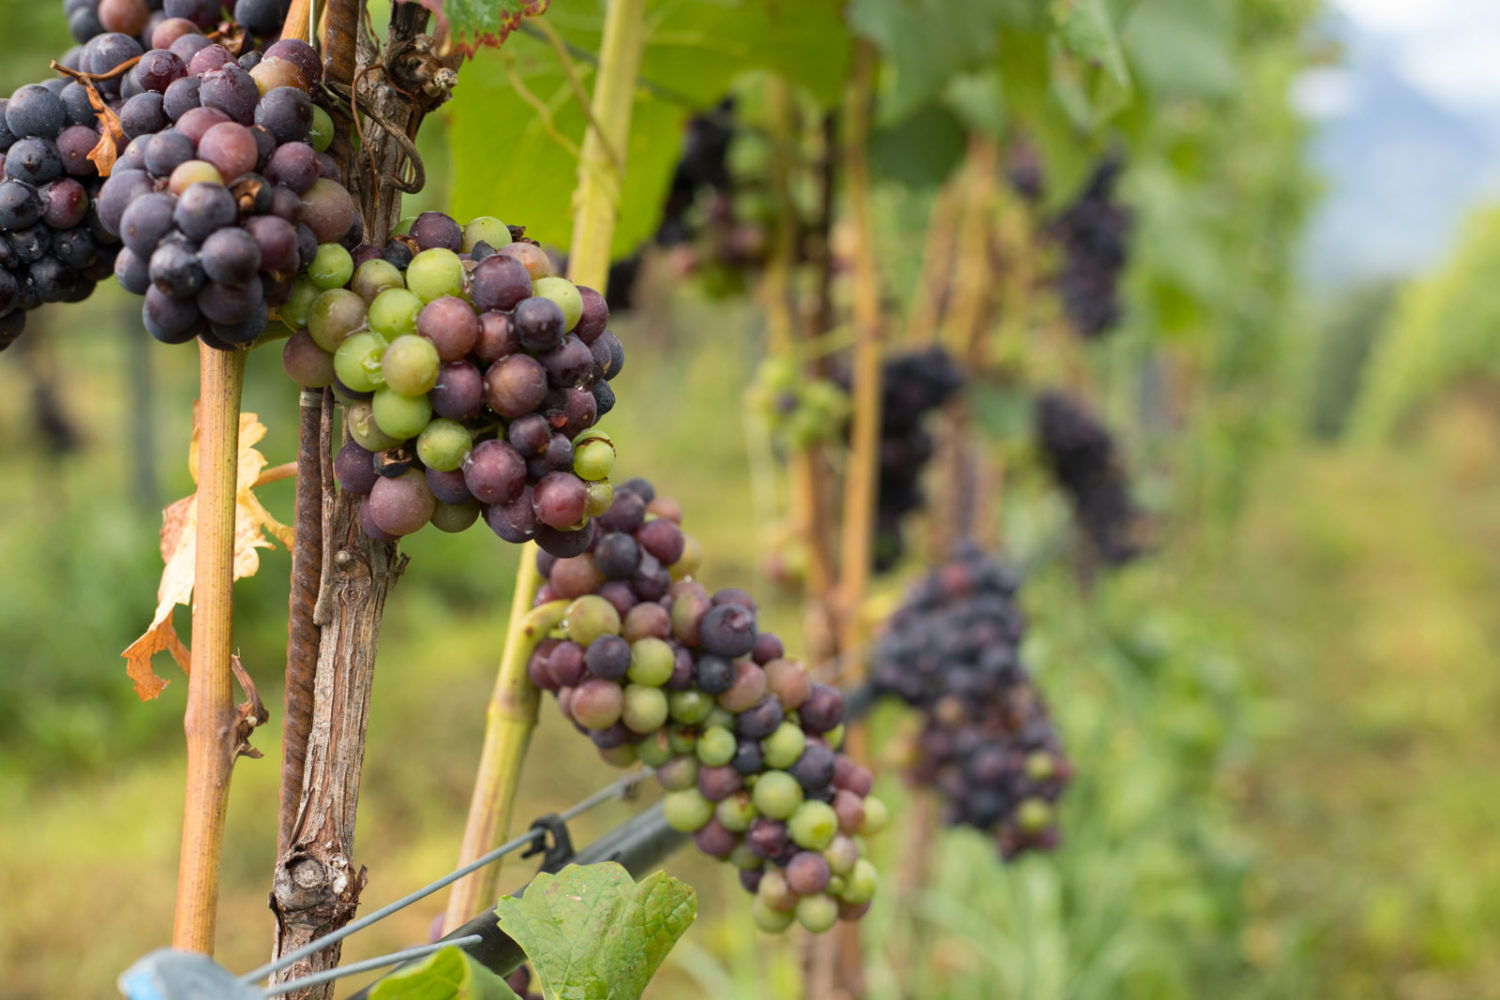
778	795
1040	765
737	812
782	748
775	892
444	444
769	920
841	855
359	417
655	750
334	315
486	229
332	267
320	136
651	662
357	362
589	617
593	460
687	810
402	417
817	913
621	756
678	774
720	718
716	746
410	365
860	884
835	737
403	225
375	276
836	885
294	312
744	858
1032	816
454	517
394	312
645	708
689	707
434	273
813	825
685	741
565	294
876	816
600	496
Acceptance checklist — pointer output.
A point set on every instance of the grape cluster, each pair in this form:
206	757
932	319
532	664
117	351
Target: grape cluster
473	378
799	411
52	245
224	192
1081	453
654	667
952	650
140	19
1093	233
912	385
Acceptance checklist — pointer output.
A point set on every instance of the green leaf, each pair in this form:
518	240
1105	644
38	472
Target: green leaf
926	43
1085	30
919	151
449	974
469	24
593	934
1183	47
509	160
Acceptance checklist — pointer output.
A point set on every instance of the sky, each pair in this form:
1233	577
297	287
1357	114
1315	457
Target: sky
1448	49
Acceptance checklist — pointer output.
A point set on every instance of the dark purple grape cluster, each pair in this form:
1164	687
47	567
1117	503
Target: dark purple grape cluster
473	378
1082	456
653	667
1094	233
144	19
224	191
987	743
912	386
52	245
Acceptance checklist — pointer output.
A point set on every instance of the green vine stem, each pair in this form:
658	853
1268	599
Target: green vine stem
513	707
209	722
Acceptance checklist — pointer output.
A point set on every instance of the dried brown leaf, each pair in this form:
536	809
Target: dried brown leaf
111	135
179	534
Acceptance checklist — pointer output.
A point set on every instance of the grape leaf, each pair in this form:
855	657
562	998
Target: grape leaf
517	122
926	43
594	934
450	974
179	533
1183	47
1085	30
468	25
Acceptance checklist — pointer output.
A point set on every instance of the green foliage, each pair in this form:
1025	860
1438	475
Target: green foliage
1446	327
592	933
1346	338
469	24
512	158
449	974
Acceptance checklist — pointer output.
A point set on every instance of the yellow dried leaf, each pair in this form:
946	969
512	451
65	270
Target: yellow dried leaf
179	532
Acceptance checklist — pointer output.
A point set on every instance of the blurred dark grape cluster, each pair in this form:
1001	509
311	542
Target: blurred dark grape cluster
987	742
1083	458
1093	233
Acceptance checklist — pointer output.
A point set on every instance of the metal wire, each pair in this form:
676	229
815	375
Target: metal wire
597	798
394	958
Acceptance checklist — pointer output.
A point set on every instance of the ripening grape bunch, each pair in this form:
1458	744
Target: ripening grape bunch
912	386
987	743
87	19
472	378
1094	234
799	411
653	667
1082	456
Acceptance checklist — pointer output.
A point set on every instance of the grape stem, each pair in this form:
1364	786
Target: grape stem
210	717
597	196
510	720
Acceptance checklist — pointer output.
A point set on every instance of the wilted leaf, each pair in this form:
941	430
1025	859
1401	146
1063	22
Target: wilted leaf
466	25
111	135
449	974
179	534
594	934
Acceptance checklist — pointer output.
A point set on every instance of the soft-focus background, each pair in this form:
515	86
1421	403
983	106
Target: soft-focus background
1283	720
